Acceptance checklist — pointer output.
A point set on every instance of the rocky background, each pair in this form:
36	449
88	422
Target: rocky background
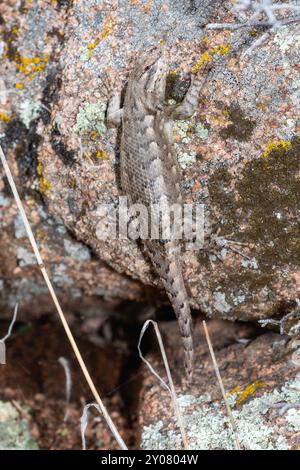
239	156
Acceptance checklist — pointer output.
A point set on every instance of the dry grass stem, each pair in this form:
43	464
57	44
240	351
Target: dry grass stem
217	371
56	303
171	387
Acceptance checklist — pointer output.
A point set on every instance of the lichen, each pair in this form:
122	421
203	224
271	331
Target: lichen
220	303
4	116
91	118
31	66
78	251
275	145
108	28
25	257
201	131
241	395
60	277
285	38
207	425
44	184
249	263
14	432
183	130
29	111
208	55
186	159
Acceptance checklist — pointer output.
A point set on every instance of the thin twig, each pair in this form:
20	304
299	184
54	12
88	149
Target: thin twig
67	370
217	371
170	388
56	303
2	340
84	421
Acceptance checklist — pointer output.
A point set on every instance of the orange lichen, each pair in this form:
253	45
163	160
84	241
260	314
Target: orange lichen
30	66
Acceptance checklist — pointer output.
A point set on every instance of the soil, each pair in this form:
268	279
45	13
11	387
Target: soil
34	382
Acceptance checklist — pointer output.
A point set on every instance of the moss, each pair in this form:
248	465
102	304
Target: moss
269	200
241	128
266	201
67	156
25	143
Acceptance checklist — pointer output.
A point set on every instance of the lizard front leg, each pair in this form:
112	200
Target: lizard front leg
114	110
188	106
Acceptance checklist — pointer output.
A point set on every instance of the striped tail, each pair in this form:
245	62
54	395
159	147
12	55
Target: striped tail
168	266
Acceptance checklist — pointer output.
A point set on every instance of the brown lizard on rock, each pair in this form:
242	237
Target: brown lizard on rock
150	174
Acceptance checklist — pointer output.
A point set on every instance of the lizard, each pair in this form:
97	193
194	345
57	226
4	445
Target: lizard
149	169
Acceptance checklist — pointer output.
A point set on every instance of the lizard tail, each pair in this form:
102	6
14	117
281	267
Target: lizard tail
169	269
178	297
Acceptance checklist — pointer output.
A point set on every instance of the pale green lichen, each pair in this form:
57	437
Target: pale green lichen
60	277
14	432
91	118
293	418
285	39
201	131
182	129
220	303
29	111
249	263
207	425
186	159
25	257
78	251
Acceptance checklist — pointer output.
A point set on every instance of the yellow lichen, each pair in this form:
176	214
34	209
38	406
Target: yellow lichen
41	235
108	28
19	85
275	145
102	154
4	117
249	391
222	49
44	183
30	66
207	56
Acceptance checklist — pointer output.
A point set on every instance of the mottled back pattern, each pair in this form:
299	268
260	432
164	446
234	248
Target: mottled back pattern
150	174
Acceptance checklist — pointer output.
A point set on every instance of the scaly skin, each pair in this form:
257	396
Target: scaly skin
150	174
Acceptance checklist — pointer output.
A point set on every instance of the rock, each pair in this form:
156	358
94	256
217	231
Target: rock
14	431
239	152
262	390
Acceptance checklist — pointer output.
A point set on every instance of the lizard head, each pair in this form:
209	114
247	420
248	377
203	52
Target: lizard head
150	76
